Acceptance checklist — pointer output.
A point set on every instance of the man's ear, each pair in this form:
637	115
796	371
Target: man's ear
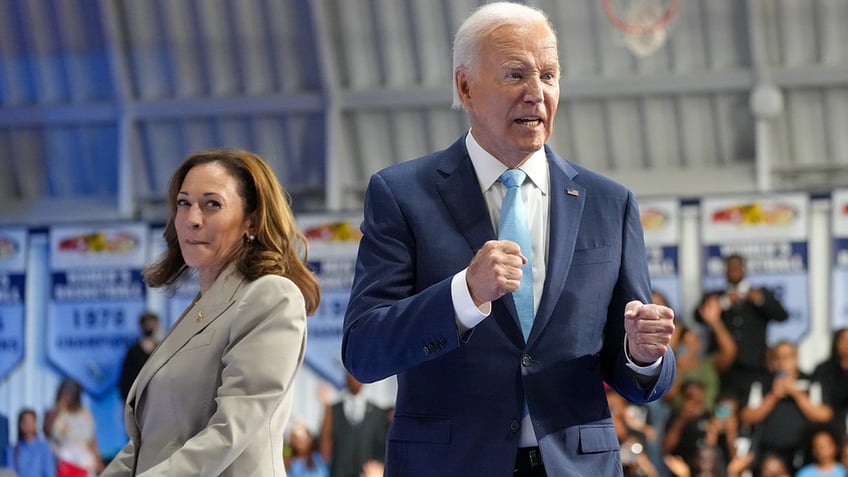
462	80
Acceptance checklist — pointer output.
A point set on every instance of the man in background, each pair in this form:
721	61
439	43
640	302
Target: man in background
138	353
746	312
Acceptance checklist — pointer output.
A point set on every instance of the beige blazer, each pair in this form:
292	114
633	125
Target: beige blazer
216	394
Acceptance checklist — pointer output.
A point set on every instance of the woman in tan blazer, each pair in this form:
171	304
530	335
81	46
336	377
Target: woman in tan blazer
216	394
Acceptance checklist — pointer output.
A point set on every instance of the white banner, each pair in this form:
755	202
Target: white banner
333	244
839	290
96	297
770	231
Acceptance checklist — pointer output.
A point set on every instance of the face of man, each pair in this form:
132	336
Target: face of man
512	96
735	270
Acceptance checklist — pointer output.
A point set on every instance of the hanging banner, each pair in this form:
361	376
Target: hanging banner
770	232
333	244
839	290
13	256
96	296
661	223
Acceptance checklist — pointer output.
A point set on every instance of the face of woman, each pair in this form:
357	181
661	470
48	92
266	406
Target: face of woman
210	220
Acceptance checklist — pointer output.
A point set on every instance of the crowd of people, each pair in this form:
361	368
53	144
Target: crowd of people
67	447
731	414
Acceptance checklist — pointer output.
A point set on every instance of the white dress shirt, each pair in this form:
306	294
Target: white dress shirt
537	201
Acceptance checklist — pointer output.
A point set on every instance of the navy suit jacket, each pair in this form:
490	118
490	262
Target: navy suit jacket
460	398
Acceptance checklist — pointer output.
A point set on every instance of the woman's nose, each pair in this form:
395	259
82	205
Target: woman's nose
194	217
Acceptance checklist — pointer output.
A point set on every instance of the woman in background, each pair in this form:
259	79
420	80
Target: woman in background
70	428
215	396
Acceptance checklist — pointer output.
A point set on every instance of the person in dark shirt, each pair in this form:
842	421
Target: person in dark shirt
746	312
833	376
139	352
783	408
353	432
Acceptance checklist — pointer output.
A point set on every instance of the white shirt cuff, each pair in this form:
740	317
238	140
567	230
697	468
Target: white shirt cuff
650	370
467	314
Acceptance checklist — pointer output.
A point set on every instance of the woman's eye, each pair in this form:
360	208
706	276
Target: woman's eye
213	204
182	203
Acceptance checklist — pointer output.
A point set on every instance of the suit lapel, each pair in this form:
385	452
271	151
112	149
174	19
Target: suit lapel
195	318
460	191
566	209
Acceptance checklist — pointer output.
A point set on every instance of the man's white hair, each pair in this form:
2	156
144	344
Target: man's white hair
484	20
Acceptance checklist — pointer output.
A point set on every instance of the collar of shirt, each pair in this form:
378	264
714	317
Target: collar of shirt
742	288
489	168
354	406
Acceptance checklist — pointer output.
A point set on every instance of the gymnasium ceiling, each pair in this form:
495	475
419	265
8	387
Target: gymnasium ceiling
101	99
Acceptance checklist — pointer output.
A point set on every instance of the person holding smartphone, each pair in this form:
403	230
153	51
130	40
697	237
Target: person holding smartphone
782	408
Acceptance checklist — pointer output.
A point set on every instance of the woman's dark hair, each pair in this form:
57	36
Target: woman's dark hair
71	389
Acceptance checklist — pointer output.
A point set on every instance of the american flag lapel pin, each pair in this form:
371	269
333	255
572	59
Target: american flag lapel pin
574	192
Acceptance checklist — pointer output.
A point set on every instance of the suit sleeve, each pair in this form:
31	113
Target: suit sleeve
390	325
633	284
266	347
122	463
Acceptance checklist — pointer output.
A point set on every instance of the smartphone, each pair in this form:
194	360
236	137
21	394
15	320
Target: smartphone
723	411
743	446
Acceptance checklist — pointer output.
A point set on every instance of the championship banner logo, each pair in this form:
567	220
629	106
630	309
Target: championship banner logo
661	224
839	221
333	244
13	256
771	233
96	296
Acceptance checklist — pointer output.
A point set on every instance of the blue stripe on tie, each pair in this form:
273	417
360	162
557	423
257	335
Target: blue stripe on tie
514	226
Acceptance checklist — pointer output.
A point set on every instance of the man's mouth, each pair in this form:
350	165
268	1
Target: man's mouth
531	121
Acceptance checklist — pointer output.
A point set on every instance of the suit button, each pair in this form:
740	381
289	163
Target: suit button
426	351
514	426
525	360
443	341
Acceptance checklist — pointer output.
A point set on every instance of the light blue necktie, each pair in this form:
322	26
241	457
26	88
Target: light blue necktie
515	226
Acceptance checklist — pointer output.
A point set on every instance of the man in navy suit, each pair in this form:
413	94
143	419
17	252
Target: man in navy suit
432	299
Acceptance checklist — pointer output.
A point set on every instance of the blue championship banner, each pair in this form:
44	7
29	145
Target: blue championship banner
661	223
13	255
96	296
333	244
839	289
770	232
